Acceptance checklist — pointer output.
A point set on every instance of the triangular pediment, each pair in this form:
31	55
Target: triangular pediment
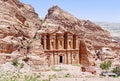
58	31
69	33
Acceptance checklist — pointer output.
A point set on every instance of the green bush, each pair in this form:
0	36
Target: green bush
18	76
46	80
116	70
67	75
54	68
21	65
15	62
27	25
41	20
106	65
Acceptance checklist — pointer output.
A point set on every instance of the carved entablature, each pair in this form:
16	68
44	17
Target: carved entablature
59	39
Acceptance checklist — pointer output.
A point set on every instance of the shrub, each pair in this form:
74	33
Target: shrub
54	68
21	65
27	24
106	65
67	75
116	70
41	20
52	76
46	80
15	62
17	76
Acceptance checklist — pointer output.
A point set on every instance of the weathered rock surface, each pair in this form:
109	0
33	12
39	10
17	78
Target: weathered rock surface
18	26
93	35
90	32
85	55
18	33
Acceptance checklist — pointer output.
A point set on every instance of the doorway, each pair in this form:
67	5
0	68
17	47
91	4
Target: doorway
60	59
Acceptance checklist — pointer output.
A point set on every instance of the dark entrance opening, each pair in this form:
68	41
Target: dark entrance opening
61	59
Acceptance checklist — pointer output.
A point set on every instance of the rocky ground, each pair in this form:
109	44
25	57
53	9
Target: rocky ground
87	79
55	73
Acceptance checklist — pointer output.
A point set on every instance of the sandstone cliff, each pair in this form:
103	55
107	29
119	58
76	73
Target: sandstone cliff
18	26
92	35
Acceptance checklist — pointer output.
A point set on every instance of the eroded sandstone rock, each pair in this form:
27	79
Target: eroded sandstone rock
16	20
93	35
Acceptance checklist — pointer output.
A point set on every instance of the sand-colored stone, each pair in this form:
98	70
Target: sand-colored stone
60	47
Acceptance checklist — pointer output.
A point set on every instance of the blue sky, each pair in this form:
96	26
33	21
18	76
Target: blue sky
94	10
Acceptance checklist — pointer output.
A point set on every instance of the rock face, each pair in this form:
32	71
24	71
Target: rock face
90	32
18	26
93	35
85	55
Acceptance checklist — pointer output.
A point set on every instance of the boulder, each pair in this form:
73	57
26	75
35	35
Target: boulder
88	69
86	57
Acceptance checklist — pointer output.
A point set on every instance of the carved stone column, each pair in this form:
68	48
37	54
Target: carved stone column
60	40
45	42
52	41
77	43
69	36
